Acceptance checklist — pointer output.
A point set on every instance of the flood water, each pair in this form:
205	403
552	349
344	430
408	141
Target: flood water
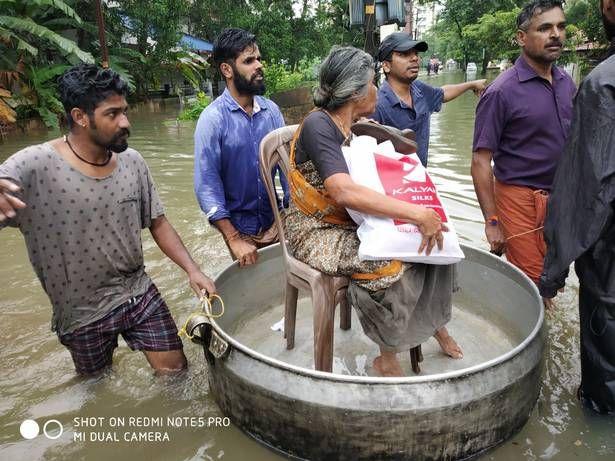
37	379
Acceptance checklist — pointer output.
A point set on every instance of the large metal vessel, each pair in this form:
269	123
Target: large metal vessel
452	410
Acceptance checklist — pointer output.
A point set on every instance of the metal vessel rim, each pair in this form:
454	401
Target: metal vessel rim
382	380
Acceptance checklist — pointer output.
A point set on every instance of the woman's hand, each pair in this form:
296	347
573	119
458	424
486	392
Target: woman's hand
431	228
349	194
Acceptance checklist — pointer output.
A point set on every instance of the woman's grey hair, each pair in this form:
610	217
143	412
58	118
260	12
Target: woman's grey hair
343	75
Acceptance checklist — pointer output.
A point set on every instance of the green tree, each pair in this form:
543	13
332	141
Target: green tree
285	36
585	15
457	15
155	27
494	33
33	51
466	27
30	27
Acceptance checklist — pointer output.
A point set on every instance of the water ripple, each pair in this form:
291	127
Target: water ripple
36	373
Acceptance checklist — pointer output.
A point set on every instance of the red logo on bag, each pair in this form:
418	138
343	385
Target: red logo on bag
405	179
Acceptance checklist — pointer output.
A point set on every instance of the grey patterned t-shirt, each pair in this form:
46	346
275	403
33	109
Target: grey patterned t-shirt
83	234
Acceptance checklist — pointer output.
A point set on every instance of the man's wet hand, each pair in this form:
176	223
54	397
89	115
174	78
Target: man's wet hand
479	86
496	239
9	204
201	284
244	251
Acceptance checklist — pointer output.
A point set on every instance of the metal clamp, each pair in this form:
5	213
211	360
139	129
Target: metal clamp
217	346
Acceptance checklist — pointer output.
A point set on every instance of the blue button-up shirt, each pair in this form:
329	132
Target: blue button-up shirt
227	180
392	111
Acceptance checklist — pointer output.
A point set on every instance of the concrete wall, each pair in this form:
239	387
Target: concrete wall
294	104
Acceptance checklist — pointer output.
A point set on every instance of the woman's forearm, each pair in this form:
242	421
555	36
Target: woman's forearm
351	195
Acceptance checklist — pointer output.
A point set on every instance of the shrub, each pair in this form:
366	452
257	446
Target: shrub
280	78
193	109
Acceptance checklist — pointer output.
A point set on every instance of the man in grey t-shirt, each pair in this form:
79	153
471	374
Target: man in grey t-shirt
81	202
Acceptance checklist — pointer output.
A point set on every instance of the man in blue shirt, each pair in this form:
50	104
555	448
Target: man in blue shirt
397	106
227	182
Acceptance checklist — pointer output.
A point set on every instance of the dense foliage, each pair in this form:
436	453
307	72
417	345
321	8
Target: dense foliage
193	109
280	78
40	38
32	53
286	34
484	31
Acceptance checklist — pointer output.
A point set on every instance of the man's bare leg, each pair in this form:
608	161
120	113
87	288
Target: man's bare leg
386	364
448	344
167	362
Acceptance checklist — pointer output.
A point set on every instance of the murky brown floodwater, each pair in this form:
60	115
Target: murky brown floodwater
37	379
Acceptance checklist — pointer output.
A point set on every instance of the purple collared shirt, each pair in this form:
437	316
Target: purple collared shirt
524	120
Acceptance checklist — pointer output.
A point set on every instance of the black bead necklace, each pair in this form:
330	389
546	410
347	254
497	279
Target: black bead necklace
105	163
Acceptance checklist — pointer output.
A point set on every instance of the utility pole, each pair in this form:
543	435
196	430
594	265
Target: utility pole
408	7
370	27
100	19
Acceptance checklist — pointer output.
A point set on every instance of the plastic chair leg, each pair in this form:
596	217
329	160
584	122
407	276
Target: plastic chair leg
324	320
290	314
345	313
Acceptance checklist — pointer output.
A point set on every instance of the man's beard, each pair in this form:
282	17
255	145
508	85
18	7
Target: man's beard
245	86
118	143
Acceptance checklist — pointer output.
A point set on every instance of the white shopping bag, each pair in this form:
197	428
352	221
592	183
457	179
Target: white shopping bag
403	177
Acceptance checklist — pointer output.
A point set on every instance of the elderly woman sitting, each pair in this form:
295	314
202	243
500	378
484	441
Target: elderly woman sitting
399	305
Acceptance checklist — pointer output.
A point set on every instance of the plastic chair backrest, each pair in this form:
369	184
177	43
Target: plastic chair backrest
274	151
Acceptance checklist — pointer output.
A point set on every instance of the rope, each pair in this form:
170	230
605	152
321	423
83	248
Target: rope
209	311
206	310
183	331
524	233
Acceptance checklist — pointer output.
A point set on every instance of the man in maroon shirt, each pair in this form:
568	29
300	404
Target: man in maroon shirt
522	122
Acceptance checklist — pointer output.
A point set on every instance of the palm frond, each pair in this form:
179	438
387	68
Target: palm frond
68	23
62	44
58	5
43	75
8	78
189	64
21	43
116	64
128	53
49	118
7	114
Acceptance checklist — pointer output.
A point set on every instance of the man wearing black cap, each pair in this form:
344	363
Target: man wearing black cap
403	101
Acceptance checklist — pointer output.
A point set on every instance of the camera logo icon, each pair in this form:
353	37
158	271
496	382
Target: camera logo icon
52	429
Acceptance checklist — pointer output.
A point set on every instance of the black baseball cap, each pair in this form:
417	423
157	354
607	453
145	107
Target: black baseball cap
398	41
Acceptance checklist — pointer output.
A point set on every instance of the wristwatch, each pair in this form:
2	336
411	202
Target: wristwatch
493	220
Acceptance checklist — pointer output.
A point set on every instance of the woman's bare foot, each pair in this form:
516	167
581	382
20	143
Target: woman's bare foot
386	364
448	344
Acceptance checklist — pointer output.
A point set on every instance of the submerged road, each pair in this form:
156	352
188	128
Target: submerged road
37	379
